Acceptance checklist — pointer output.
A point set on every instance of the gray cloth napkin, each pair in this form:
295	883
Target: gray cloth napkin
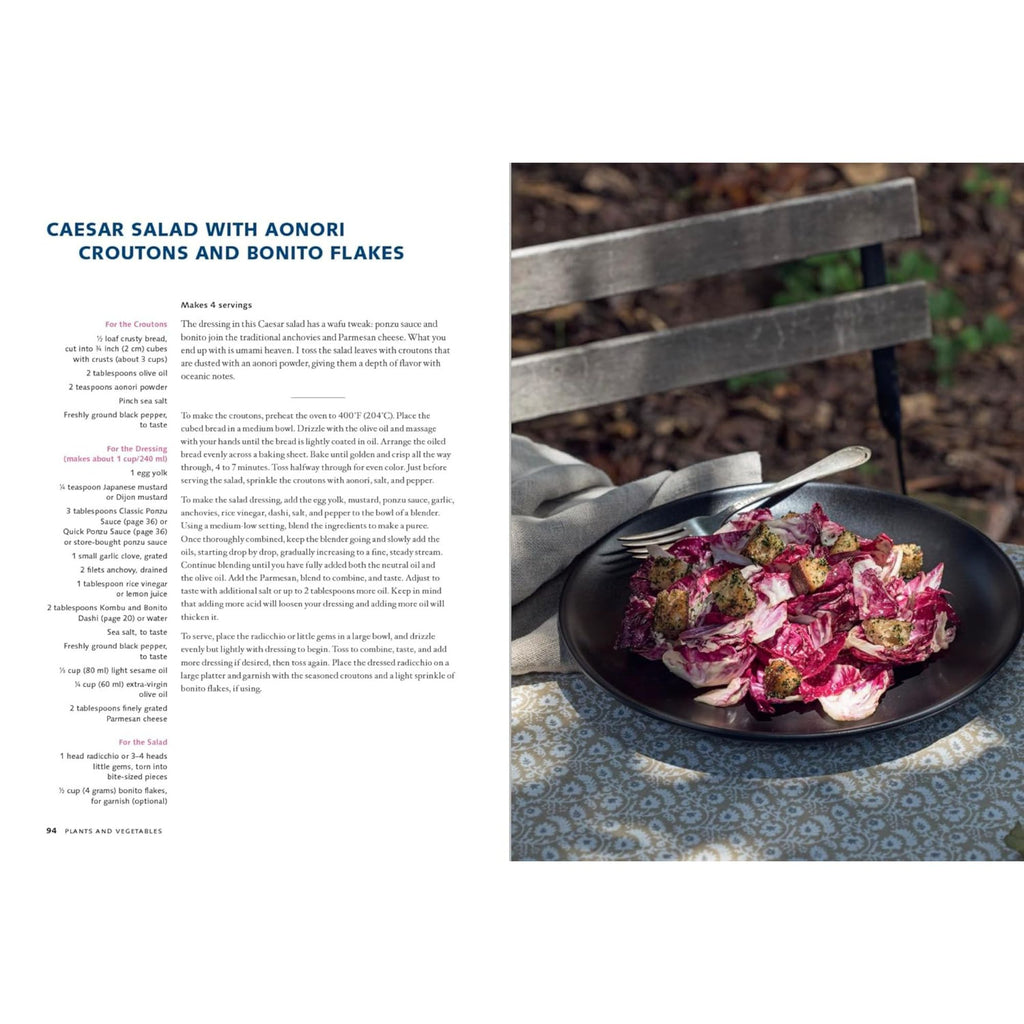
560	506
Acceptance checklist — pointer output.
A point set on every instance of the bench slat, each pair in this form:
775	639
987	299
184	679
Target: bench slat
619	368
624	261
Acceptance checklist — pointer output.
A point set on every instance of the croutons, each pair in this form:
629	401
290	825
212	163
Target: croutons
733	595
671	613
763	546
913	559
781	679
665	571
845	542
887	632
808	574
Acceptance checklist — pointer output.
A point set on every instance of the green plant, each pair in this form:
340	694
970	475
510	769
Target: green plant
945	304
766	378
818	276
977	179
948	348
912	265
833	273
1000	195
980	181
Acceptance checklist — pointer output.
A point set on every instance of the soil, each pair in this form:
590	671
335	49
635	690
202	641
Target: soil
963	437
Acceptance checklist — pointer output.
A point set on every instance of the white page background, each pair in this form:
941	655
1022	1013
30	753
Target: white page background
381	888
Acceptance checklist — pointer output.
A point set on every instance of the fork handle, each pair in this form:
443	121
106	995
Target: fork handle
846	458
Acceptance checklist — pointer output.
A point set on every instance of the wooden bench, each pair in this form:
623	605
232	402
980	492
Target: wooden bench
877	318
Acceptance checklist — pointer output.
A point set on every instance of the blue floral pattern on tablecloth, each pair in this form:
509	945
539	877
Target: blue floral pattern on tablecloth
593	779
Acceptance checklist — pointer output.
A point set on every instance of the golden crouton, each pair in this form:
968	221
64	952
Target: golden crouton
846	541
733	595
763	546
808	574
913	559
887	632
671	613
665	571
781	679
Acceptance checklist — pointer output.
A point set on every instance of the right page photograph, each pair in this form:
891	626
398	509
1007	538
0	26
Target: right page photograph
766	533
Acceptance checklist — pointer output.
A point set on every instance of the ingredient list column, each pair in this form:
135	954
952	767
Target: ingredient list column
110	636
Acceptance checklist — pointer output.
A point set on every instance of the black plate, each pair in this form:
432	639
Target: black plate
984	586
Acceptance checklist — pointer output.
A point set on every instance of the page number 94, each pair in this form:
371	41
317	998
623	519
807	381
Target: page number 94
49	830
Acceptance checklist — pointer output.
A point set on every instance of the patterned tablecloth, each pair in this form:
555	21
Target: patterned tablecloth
593	779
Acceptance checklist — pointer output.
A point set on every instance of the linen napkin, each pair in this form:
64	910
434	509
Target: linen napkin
560	507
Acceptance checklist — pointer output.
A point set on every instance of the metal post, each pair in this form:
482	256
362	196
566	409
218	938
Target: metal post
887	380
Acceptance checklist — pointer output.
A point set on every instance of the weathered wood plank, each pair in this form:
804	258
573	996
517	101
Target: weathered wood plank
759	236
641	364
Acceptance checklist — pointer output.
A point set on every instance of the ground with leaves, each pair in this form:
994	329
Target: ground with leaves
963	415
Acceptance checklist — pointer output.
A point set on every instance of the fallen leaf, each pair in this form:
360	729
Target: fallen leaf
566	312
918	407
980	468
752	403
935	482
608	179
626	429
969	255
523	345
824	414
652	320
1017	274
789	180
864	174
557	194
785	391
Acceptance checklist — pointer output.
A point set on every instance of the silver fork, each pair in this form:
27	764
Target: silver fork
638	544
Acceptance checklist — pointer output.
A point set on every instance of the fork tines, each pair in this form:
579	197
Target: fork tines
653	547
671	532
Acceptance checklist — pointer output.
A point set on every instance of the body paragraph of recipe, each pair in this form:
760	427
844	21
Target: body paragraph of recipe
337	510
221	349
226	663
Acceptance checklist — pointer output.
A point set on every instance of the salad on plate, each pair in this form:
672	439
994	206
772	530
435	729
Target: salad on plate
794	609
